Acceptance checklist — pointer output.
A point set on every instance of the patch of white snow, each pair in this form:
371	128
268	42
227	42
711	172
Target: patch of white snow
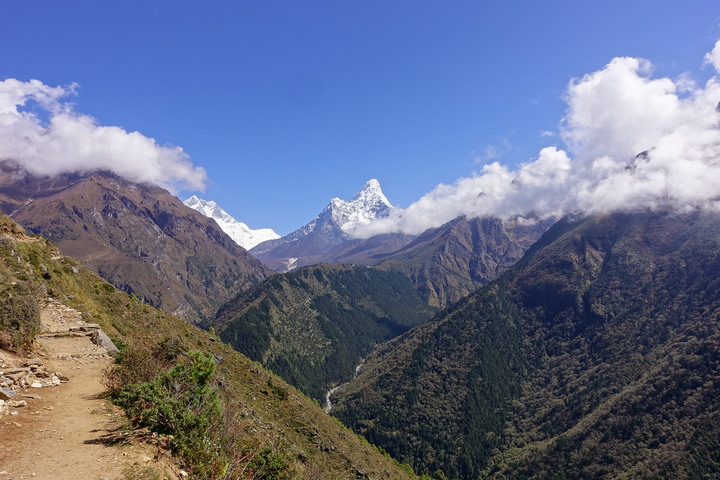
238	231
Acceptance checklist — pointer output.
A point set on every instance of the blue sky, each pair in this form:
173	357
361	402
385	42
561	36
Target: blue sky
286	104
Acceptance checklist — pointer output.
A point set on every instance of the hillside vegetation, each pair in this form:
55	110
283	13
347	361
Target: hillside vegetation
275	430
313	326
596	356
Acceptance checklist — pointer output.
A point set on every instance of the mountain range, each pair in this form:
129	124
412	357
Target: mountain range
311	243
276	432
584	348
139	237
444	263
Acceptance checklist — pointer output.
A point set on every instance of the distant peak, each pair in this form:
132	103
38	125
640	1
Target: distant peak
372	184
372	189
238	231
198	200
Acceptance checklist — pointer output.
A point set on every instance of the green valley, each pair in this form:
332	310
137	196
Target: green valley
314	325
265	420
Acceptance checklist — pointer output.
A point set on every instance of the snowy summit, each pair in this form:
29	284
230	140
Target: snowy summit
367	205
340	218
335	224
238	231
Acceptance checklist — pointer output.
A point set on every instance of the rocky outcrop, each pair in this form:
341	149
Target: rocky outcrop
98	337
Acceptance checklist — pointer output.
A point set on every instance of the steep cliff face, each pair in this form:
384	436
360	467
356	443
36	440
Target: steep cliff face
139	237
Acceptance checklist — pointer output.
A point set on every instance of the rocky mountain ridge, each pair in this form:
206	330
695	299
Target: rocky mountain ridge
450	262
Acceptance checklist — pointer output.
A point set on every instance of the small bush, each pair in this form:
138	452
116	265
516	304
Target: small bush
133	366
179	402
19	316
172	393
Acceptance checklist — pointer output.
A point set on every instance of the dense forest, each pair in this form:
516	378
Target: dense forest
596	355
314	325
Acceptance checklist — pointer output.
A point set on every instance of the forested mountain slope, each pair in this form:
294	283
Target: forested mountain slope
312	326
596	356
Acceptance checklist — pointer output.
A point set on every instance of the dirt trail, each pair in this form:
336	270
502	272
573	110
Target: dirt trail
70	431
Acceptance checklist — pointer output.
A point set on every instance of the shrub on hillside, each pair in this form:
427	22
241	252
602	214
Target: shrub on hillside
19	316
178	402
172	393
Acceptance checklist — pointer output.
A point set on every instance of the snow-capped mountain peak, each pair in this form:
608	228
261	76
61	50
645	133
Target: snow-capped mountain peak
238	231
335	225
367	205
371	191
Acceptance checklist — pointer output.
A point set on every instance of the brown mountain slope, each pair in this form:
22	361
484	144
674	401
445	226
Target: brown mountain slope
312	250
138	237
445	263
449	262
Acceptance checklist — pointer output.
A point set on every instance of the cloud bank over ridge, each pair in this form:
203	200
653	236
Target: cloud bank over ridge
47	137
631	142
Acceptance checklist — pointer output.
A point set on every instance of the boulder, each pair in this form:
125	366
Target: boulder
101	338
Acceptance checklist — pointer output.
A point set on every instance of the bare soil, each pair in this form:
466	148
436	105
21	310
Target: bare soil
71	431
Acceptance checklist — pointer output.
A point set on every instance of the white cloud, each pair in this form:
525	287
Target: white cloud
713	57
613	115
618	111
67	141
